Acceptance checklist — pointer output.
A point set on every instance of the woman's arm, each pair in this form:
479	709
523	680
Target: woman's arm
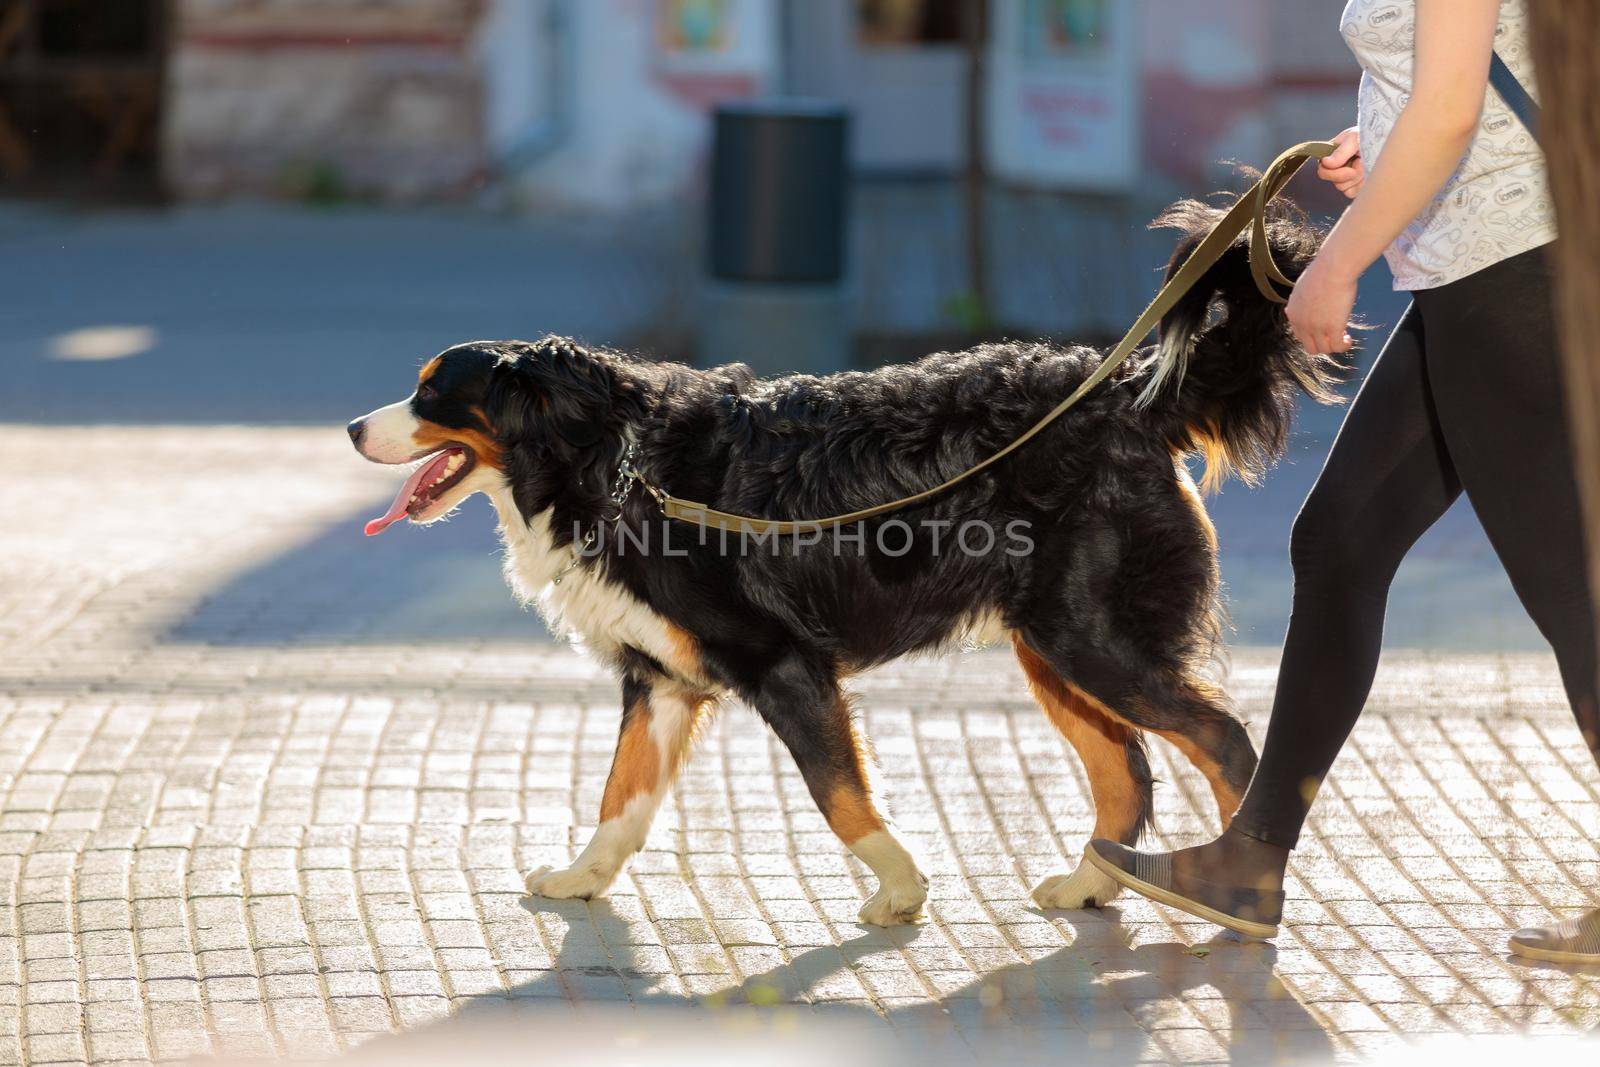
1455	39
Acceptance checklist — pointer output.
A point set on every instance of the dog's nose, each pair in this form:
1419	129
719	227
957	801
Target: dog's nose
357	427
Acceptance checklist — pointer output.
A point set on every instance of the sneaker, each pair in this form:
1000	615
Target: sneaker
1574	941
1251	912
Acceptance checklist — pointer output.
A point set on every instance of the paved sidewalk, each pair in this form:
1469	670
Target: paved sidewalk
270	789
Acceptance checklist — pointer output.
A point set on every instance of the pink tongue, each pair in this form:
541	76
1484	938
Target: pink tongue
423	475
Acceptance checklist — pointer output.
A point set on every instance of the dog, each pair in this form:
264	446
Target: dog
1089	550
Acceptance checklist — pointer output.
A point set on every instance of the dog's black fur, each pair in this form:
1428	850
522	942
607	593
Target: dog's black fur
1118	600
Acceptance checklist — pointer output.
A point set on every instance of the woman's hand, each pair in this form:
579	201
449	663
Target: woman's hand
1320	308
1325	297
1344	168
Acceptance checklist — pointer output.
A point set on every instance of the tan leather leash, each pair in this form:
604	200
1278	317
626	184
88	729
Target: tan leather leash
1249	213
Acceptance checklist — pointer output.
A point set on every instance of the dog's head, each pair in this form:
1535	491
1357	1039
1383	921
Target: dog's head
479	409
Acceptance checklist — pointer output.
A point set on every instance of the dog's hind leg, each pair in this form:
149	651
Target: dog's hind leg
1139	616
1119	777
813	718
658	722
1192	714
1212	738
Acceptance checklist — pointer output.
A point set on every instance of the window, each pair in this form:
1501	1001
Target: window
908	22
96	28
80	96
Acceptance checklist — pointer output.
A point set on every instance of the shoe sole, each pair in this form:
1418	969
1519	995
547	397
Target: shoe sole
1553	955
1260	931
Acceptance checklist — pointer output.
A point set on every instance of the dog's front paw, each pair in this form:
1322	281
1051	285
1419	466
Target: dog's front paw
894	906
1085	887
573	883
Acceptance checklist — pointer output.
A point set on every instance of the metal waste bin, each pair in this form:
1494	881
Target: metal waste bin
775	295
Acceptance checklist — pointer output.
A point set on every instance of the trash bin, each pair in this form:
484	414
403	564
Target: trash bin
775	294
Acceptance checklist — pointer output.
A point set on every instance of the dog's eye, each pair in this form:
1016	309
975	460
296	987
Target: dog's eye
426	391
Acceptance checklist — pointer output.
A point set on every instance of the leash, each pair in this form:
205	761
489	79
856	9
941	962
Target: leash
1249	213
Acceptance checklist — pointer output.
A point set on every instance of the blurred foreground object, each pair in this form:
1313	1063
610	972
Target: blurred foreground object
775	298
1566	39
495	1032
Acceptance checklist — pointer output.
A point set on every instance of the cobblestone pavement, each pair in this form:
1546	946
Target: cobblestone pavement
263	793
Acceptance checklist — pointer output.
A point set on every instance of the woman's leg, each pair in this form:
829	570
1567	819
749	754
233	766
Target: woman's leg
1502	412
1388	478
1500	393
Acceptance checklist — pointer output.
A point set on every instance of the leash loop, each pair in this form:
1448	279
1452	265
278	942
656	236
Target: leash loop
1249	213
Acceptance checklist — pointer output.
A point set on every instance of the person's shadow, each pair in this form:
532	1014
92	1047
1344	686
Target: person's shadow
1097	998
1254	1016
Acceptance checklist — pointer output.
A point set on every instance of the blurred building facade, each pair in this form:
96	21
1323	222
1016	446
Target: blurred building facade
602	105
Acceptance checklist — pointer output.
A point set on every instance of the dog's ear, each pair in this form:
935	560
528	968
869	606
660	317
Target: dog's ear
555	393
512	399
579	391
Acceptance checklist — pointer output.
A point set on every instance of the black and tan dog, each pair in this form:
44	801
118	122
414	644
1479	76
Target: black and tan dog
1089	549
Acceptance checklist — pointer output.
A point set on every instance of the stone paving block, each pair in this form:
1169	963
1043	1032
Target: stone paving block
56	1048
173	1044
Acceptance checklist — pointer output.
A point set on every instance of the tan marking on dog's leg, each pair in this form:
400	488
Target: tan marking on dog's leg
853	814
686	659
850	812
636	765
1205	760
1228	799
1102	743
656	735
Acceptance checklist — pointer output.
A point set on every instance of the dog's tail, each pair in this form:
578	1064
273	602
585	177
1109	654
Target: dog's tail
1227	368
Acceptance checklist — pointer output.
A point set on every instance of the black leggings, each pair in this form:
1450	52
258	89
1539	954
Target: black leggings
1467	394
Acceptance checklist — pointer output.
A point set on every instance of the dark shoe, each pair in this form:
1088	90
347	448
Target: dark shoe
1251	912
1574	941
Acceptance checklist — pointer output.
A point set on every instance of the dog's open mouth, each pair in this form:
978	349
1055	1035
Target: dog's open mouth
435	476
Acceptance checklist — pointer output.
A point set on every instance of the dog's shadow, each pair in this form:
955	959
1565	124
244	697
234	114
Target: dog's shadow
338	585
1107	1002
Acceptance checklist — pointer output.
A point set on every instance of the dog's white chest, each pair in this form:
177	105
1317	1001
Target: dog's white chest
599	613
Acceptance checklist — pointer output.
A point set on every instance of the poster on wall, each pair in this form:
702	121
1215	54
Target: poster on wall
1063	103
696	26
711	50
